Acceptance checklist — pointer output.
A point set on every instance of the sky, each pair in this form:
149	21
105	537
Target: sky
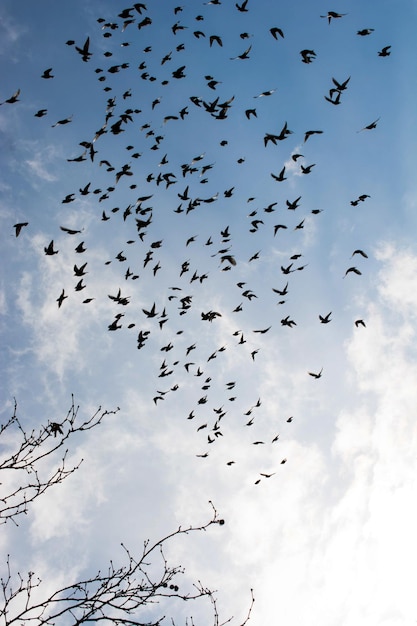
173	184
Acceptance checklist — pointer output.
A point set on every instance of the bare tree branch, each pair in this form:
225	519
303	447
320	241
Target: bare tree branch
22	452
117	596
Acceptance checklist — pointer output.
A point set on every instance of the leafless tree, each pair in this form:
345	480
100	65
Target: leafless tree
122	595
24	476
118	596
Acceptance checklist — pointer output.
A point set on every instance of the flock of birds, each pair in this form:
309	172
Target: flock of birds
181	184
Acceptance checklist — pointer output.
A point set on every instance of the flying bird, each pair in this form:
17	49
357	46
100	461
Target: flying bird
18	227
385	52
370	126
325	319
243	56
275	31
318	375
61	298
49	249
353	270
365	31
242	7
85	50
14	98
47	73
333	15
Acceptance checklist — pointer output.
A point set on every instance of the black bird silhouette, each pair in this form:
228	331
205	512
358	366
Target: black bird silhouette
307	168
318	375
333	15
281	176
61	298
242	7
286	321
325	319
277	227
361	252
308	134
336	100
18	227
360	323
49	249
307	56
84	51
352	269
341	86
365	31
14	98
80	248
385	52
47	73
70	231
80	271
62	122
243	56
370	126
215	39
281	292
275	31
265	94
56	429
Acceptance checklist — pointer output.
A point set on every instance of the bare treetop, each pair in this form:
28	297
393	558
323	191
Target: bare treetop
22	454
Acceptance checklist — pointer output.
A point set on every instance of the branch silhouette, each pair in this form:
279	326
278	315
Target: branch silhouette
22	454
116	596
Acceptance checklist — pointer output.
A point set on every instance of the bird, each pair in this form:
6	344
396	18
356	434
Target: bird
56	429
307	56
80	271
61	298
277	227
49	249
286	321
309	133
250	112
70	231
242	7
62	122
360	323
47	73
281	176
13	99
325	319
275	31
333	15
265	94
215	39
385	52
361	252
85	50
80	248
352	269
307	168
314	375
18	227
243	56
334	101
365	31
370	126
341	86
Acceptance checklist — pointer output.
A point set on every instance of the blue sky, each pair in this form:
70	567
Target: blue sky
324	529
